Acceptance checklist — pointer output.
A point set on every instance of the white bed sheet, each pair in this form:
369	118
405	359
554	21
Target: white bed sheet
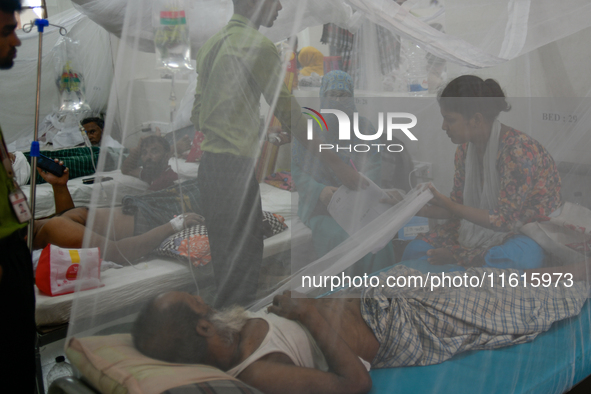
121	185
122	287
284	203
125	286
184	169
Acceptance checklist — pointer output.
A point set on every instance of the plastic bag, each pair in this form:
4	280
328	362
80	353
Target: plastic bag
69	77
22	169
171	39
58	271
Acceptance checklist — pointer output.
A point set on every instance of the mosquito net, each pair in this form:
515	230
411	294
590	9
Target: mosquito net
418	168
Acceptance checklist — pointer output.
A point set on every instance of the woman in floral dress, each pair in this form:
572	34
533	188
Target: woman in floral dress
503	180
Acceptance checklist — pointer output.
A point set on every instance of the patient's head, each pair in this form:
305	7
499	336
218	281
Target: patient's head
94	129
154	152
180	328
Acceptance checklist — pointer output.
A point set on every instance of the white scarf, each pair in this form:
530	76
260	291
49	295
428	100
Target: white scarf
472	235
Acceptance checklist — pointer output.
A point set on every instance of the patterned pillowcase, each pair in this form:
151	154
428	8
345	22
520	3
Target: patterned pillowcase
193	243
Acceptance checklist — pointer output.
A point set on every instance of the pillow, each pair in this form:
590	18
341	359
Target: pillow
193	244
113	365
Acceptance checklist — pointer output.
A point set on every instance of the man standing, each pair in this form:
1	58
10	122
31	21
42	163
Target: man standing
17	297
236	66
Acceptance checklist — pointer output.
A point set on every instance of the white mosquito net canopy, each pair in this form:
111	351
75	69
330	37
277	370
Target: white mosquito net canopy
311	146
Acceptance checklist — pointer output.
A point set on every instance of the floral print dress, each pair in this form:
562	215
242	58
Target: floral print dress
530	191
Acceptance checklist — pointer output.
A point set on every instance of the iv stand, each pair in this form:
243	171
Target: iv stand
41	24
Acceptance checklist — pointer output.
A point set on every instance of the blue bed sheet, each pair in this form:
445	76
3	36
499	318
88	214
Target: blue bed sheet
554	362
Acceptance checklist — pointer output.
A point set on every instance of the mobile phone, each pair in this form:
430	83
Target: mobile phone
90	181
50	166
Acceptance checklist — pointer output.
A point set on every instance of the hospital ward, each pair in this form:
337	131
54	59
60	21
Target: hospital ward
295	196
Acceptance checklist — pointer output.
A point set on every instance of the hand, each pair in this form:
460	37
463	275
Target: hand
290	308
193	219
183	145
12	157
276	136
157	133
55	180
180	222
326	194
394	197
441	256
438	199
351	178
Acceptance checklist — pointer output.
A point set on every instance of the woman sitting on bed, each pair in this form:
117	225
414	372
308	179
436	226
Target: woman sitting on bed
316	183
503	180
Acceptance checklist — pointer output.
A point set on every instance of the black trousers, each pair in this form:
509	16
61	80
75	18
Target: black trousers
17	315
231	204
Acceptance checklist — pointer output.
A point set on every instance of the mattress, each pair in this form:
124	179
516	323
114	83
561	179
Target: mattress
120	186
122	287
554	362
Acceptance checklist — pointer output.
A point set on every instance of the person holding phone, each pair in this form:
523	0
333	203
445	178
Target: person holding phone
118	239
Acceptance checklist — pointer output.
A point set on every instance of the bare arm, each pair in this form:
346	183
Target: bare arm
347	374
267	73
131	164
474	215
434	212
67	233
61	194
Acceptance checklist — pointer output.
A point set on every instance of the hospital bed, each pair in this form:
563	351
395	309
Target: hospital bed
120	185
554	362
155	274
131	285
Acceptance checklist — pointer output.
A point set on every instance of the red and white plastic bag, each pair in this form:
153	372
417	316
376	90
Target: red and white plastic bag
60	270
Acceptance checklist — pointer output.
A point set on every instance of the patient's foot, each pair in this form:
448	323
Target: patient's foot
440	256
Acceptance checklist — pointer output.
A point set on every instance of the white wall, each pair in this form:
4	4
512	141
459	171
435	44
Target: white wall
311	37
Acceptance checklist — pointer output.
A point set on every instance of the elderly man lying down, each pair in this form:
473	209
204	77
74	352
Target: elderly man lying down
301	345
118	239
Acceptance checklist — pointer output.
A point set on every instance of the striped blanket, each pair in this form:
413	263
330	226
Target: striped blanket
420	326
79	160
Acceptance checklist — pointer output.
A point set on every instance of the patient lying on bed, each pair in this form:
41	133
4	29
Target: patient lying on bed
112	231
387	326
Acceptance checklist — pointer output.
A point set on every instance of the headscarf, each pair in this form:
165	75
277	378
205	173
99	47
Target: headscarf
312	61
309	162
